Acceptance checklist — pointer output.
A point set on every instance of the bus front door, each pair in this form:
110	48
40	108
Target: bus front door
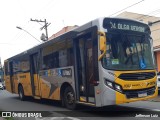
11	77
84	68
34	75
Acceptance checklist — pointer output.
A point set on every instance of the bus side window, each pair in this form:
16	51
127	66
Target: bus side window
70	56
62	57
43	66
51	61
6	67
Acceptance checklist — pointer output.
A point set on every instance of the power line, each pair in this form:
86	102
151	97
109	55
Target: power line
157	11
28	33
126	8
38	12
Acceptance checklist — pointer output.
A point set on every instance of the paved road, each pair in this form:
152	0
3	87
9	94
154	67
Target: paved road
11	102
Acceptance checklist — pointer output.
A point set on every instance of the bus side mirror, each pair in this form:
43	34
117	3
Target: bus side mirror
102	43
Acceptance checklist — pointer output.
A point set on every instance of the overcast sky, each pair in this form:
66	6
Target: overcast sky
59	13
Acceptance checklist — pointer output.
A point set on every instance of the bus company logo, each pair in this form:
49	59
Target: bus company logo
143	84
150	83
128	86
146	84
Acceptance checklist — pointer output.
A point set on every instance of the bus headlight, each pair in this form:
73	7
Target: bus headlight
118	88
113	85
109	84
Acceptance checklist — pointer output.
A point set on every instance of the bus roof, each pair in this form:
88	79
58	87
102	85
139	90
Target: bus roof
70	34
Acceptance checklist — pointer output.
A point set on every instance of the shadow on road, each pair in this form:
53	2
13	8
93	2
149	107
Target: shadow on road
41	101
87	111
109	111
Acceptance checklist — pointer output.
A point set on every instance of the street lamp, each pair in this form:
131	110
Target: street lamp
28	33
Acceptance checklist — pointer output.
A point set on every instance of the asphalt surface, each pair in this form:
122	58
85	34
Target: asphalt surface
52	110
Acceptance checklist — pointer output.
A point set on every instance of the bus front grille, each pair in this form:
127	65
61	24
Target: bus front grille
137	76
136	93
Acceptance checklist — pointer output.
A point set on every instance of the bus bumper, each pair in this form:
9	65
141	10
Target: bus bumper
121	98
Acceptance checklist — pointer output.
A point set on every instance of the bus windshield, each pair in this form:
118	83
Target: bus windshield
128	52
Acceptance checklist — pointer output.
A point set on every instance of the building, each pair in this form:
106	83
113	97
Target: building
1	72
154	23
62	31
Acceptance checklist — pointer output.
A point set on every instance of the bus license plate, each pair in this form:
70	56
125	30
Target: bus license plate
142	94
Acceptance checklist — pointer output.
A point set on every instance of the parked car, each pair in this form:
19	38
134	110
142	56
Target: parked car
1	86
158	82
4	85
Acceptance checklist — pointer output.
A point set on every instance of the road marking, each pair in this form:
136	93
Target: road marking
73	118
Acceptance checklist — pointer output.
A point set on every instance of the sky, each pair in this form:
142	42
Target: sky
59	13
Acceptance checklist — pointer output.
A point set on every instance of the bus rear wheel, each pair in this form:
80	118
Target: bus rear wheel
69	98
21	93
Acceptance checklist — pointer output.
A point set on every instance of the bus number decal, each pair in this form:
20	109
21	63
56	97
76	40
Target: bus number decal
66	72
57	72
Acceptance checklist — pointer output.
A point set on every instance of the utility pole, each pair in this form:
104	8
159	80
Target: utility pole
43	27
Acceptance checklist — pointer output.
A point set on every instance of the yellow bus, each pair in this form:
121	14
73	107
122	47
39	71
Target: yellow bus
106	61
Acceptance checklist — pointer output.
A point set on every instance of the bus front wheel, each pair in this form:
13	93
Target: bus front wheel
21	93
69	98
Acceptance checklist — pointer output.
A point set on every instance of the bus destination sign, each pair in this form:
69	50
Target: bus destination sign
124	24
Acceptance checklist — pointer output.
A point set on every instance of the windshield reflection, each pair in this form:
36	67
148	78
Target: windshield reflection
128	52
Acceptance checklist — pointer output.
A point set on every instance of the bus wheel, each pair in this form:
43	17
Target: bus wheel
21	93
69	98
